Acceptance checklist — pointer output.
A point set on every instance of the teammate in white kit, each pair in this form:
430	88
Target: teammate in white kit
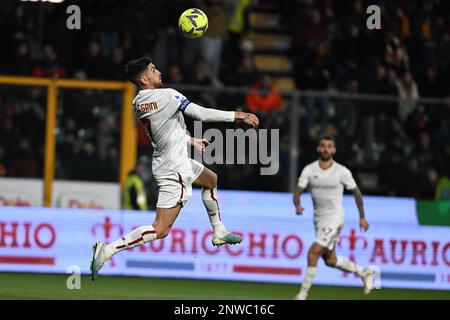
326	180
161	113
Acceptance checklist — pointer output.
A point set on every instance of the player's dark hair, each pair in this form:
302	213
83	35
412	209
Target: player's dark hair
135	68
327	137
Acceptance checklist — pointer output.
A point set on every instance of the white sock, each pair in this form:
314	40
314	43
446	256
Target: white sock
135	238
209	197
349	266
307	282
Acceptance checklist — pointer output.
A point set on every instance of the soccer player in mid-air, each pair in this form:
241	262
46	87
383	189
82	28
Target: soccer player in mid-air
326	180
161	111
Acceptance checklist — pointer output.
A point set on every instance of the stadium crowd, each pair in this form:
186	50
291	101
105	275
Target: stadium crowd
406	143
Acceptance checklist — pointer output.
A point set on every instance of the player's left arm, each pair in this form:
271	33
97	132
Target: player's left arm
363	223
213	115
197	112
350	184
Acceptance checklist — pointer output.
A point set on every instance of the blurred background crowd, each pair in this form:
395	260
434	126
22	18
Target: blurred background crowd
270	49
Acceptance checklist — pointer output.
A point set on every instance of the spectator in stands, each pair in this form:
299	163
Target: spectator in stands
407	90
391	86
175	75
380	84
23	163
21	63
428	188
310	35
17	28
403	23
237	24
212	41
94	63
117	63
48	65
396	55
201	75
442	191
418	122
354	14
384	83
346	113
264	100
420	180
425	172
351	53
107	25
264	97
431	83
314	73
393	173
246	74
134	195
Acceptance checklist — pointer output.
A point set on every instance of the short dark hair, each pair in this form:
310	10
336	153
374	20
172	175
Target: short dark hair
135	68
327	137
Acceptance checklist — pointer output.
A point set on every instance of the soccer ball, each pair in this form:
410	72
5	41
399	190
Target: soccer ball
193	23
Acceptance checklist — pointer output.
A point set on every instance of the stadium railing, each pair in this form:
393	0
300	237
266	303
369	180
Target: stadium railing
291	120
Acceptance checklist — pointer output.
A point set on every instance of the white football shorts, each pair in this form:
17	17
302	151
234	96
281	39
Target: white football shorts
176	187
328	233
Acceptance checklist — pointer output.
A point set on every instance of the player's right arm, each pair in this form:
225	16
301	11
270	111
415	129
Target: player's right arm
297	194
301	187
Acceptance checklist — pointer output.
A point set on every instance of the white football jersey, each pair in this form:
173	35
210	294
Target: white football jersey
159	110
327	188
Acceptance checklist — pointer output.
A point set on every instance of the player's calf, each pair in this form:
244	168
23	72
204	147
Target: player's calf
330	262
314	253
135	238
209	198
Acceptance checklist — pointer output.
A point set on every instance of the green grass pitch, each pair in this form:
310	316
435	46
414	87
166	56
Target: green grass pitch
46	286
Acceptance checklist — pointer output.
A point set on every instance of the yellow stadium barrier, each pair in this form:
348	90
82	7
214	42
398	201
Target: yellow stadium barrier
128	141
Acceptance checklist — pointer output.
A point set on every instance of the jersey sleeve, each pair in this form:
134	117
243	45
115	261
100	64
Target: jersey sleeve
176	102
303	180
347	180
208	115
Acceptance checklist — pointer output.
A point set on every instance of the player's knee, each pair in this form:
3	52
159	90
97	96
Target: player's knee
312	256
212	183
162	232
